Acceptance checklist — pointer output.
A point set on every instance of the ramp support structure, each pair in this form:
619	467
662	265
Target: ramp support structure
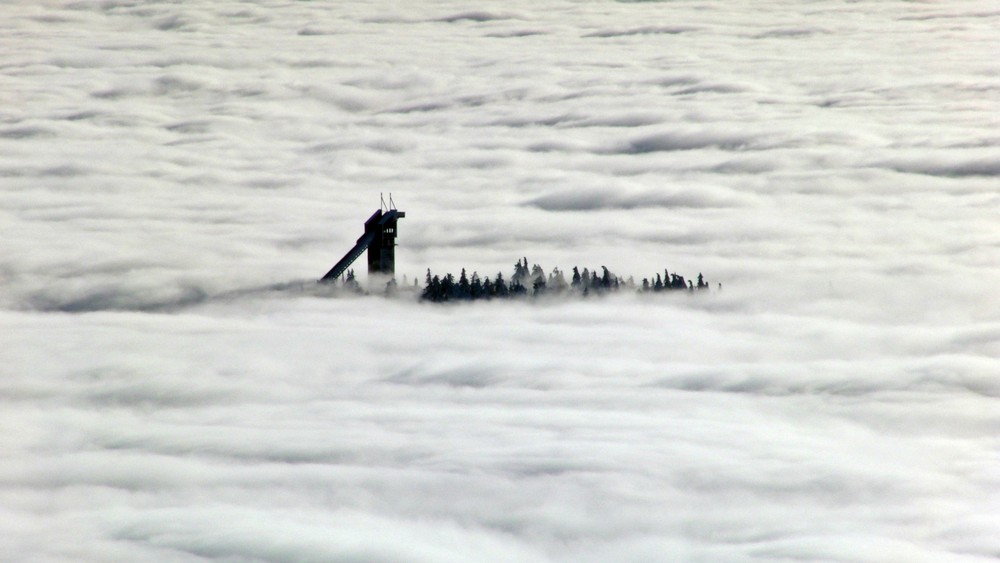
380	242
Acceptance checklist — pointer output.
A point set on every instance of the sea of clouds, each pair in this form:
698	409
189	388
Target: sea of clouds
174	177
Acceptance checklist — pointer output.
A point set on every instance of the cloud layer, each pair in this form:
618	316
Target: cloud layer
174	176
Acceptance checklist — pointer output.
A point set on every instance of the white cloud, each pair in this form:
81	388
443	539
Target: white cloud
176	387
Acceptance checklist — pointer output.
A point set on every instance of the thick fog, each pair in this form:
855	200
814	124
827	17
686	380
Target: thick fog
175	176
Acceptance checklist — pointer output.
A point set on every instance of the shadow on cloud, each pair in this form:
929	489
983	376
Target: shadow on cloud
593	199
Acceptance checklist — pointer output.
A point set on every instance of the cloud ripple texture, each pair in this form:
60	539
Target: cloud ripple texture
174	177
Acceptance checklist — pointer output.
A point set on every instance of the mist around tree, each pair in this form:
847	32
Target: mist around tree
528	282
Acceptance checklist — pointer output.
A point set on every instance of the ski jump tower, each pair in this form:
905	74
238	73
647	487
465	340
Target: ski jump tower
380	242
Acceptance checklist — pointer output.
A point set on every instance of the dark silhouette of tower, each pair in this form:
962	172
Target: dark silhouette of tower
382	250
380	242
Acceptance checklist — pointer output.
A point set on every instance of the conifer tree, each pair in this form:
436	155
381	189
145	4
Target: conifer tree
517	289
537	272
476	286
464	289
538	286
520	271
557	281
351	283
447	287
432	291
500	286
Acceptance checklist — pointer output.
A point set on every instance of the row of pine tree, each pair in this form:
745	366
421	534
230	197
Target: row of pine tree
535	282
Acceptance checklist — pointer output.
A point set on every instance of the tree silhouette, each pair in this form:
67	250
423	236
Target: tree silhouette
464	289
538	286
448	287
476	287
535	283
500	286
